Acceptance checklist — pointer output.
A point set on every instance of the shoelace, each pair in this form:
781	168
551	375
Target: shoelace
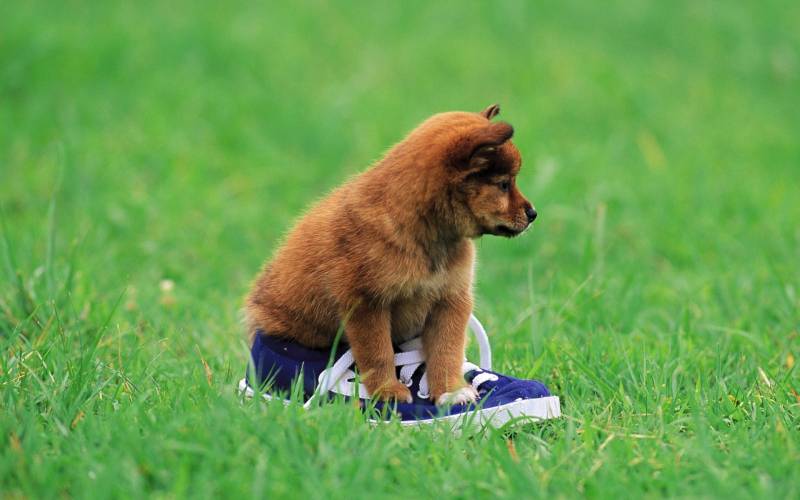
340	377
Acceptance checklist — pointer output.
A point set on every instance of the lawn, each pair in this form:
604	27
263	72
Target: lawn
153	153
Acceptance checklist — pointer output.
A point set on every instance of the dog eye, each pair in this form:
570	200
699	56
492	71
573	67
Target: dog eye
504	185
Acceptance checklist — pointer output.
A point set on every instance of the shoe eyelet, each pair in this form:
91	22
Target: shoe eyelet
407	383
422	395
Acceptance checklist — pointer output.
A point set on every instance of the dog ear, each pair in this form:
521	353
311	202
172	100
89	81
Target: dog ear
485	142
491	111
474	148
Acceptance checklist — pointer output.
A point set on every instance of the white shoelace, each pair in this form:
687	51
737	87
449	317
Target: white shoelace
340	377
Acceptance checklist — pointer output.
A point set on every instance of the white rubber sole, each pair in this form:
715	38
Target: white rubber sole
517	412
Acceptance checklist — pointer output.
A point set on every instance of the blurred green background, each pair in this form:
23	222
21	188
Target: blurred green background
153	153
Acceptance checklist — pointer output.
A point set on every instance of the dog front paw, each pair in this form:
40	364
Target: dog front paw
462	396
392	391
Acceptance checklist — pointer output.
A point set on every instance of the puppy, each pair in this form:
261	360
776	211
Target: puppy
390	255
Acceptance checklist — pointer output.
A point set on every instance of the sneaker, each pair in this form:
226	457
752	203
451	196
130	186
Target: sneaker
278	364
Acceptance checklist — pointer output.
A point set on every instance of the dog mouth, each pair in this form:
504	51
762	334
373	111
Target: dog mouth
506	231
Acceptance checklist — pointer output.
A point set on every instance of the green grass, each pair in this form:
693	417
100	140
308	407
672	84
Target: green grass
658	293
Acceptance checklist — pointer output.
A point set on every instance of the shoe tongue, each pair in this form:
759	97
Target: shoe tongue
414	344
411	345
416	377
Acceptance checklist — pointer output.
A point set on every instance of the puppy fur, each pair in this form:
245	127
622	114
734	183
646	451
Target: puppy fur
390	255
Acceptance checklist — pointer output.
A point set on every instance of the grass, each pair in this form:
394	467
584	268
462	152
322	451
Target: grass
152	154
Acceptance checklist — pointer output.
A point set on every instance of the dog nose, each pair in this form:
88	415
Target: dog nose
531	213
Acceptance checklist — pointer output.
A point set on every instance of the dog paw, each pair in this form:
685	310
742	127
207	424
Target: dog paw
393	391
462	396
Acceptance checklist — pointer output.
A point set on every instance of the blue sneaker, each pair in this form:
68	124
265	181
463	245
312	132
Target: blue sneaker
278	364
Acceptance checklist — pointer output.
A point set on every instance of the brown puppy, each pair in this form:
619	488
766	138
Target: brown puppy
390	256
